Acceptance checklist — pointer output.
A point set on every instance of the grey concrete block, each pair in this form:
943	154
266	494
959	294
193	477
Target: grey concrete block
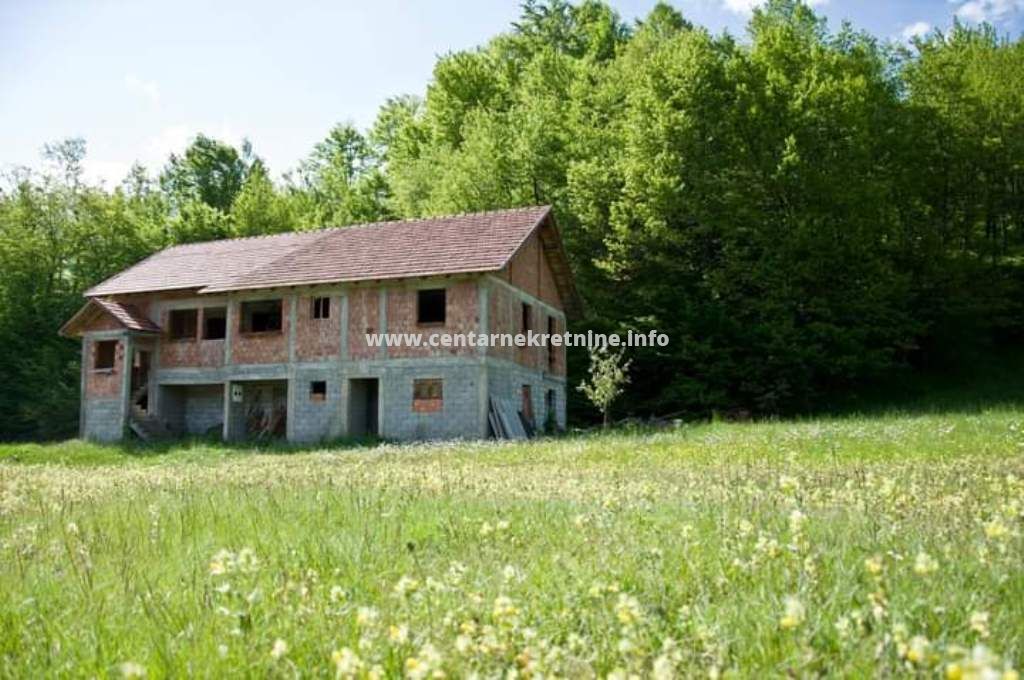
104	420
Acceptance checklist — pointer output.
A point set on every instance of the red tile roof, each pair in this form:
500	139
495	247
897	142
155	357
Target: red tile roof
478	242
126	314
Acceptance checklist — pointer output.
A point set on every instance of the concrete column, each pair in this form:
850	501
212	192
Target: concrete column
343	322
126	380
346	395
382	322
293	317
82	396
343	372
483	312
483	389
230	323
227	434
383	424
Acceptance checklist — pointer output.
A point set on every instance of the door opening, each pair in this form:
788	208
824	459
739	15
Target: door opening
363	417
140	381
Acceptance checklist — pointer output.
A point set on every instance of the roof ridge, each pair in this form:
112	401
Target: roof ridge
356	225
234	239
434	218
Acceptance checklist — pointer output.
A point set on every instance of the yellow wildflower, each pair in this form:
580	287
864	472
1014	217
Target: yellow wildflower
794	614
925	564
979	624
347	663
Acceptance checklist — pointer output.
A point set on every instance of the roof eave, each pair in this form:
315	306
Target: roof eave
91	306
211	290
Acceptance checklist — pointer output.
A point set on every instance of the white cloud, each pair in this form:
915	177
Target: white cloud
171	139
108	172
146	88
741	6
747	6
992	11
916	30
153	151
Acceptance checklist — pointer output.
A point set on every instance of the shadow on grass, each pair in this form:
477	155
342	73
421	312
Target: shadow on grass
271	446
981	382
83	453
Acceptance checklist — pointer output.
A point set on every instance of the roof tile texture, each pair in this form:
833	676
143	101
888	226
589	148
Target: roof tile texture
128	315
457	244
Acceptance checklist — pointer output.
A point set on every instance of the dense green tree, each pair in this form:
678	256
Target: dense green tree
209	171
57	237
801	211
762	202
259	208
342	181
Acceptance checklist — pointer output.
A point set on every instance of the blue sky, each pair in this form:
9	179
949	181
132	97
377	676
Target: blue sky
138	79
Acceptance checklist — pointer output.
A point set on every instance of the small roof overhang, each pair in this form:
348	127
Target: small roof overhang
127	315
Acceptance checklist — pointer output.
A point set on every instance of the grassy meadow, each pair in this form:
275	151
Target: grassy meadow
882	545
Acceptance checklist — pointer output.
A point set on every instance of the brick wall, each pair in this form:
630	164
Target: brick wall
503	316
461	316
172	353
363	318
104	382
317	338
529	270
506	316
259	348
192	351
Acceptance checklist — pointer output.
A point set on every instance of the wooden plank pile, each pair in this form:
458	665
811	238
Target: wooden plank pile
506	420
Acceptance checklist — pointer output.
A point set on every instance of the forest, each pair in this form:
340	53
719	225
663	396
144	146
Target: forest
805	210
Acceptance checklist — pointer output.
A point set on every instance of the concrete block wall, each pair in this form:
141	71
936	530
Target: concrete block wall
192	409
460	414
102	419
204	409
311	419
172	407
506	379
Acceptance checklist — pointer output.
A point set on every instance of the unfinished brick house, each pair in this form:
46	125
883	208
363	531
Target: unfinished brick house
266	336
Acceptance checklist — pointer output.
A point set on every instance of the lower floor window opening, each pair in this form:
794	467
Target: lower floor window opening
427	395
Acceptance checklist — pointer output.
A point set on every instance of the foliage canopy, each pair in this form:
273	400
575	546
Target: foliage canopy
803	211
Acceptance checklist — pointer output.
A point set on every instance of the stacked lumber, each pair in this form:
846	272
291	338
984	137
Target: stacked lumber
506	420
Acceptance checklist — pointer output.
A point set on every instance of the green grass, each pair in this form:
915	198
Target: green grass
636	552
